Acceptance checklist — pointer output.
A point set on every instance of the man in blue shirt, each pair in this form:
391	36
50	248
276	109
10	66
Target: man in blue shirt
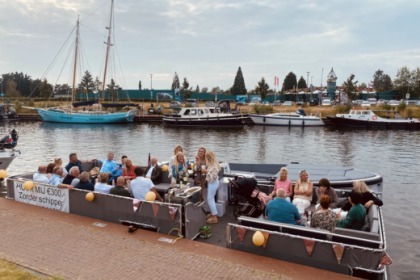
280	210
111	167
57	176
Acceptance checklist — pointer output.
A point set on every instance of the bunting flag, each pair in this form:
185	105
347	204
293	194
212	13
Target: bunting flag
309	245
155	208
172	212
385	260
266	235
241	233
338	250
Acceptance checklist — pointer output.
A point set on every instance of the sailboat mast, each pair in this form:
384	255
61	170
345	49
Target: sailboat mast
108	46
76	50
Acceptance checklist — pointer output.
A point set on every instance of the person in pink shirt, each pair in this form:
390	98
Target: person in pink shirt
283	183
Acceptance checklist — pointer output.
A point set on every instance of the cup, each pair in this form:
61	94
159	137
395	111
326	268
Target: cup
203	167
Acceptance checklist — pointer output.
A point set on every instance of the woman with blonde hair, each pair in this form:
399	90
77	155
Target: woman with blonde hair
177	149
179	168
59	162
212	178
283	183
368	198
303	192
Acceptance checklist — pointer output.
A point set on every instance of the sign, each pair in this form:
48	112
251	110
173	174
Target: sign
407	96
43	196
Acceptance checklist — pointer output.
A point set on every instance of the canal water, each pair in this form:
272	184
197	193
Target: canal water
393	154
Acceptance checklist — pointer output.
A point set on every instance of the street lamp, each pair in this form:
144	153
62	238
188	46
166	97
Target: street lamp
151	87
307	79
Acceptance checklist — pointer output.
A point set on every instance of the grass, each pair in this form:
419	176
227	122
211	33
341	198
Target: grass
11	271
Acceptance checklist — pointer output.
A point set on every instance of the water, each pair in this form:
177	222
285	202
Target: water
393	154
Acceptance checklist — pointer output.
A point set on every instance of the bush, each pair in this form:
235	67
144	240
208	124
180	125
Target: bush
341	109
263	109
402	106
409	113
386	107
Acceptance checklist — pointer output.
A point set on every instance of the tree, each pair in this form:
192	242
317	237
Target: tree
175	82
113	90
290	81
262	89
215	90
21	84
238	87
204	89
415	87
98	85
139	85
197	89
403	80
86	84
302	83
185	84
350	87
381	82
45	89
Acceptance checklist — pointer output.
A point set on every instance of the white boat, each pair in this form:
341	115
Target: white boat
91	114
299	118
7	149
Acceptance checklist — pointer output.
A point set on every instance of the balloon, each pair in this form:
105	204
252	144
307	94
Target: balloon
150	196
164	168
3	174
258	238
90	196
28	185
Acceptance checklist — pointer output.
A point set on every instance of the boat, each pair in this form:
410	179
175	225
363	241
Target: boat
298	118
350	252
368	119
219	116
8	112
8	152
88	113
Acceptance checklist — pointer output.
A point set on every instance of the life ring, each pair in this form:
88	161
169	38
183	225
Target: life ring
374	117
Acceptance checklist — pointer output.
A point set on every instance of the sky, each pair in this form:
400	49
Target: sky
206	41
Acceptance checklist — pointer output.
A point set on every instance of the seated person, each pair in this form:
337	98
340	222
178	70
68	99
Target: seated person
57	176
59	162
85	183
119	188
102	185
284	183
154	171
74	161
367	197
303	192
128	169
41	175
50	169
355	218
326	189
179	169
111	167
72	177
281	210
324	218
140	186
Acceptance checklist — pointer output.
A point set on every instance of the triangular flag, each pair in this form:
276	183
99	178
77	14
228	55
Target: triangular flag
155	208
385	260
309	245
172	212
338	250
241	233
266	235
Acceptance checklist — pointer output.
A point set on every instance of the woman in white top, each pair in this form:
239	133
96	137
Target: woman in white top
212	178
177	149
303	192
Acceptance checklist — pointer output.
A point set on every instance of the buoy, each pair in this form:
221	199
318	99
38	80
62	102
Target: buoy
90	196
3	174
150	196
258	238
164	168
28	185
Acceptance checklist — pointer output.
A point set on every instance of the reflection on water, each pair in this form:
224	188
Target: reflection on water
393	154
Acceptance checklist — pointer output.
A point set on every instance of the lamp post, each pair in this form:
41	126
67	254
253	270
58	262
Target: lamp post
307	80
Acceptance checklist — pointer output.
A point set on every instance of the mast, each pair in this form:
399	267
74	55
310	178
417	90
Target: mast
108	46
76	50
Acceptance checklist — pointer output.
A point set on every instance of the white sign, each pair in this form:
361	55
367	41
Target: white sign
44	196
407	96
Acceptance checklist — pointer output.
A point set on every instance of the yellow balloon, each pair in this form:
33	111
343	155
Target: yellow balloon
150	196
164	168
90	196
28	185
3	174
258	238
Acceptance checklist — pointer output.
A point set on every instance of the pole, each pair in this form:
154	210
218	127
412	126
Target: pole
151	87
307	80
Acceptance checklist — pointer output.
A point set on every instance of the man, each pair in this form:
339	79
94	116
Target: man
140	186
102	185
281	210
153	171
85	183
120	189
111	167
41	175
57	176
74	161
73	177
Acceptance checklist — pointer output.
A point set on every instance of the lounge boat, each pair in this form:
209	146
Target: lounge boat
368	119
219	116
7	149
299	118
357	253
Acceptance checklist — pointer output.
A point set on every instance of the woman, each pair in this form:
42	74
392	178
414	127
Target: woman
326	189
179	169
303	192
199	177
324	218
367	198
283	183
128	169
355	218
177	149
50	168
59	162
212	178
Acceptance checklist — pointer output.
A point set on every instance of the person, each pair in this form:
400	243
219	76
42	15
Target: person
179	169
59	162
326	189
74	161
57	176
72	177
128	169
356	216
41	175
102	184
303	192
177	149
120	189
50	169
200	161
140	186
283	183
154	171
367	197
324	218
85	183
212	170
281	210
111	167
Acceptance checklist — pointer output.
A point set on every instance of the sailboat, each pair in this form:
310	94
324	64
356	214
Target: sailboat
92	114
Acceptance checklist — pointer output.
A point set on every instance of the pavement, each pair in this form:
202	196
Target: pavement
74	247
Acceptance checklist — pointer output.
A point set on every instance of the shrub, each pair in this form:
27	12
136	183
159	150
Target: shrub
402	106
263	109
341	109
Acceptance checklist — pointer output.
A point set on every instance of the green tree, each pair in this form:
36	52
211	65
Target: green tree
98	85
175	82
262	89
381	82
62	90
197	89
403	80
350	87
21	84
290	82
186	92
415	86
302	83
238	87
139	85
113	89
45	89
86	84
362	86
185	84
